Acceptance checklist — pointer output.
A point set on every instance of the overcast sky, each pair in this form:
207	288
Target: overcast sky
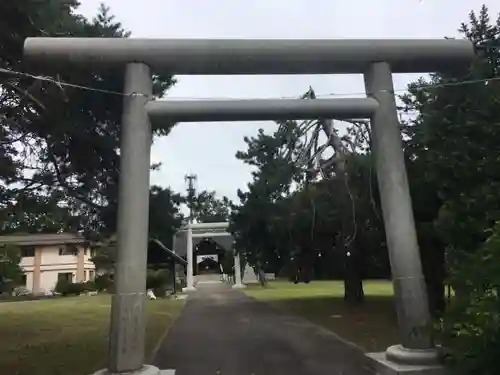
208	149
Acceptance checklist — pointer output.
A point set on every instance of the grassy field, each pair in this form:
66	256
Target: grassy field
68	335
372	326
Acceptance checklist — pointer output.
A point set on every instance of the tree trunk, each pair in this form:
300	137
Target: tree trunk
261	275
353	281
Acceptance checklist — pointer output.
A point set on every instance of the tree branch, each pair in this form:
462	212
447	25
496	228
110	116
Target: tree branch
71	191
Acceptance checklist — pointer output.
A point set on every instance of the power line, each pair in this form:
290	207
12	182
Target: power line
59	82
326	95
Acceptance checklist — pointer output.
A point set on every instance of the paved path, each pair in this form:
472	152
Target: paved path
225	332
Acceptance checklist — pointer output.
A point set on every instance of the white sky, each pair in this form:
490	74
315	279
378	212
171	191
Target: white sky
208	149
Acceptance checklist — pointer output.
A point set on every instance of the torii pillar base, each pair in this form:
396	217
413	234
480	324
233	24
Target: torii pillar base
400	361
188	289
239	286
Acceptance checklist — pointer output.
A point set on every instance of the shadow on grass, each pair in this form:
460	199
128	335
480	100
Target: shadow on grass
372	325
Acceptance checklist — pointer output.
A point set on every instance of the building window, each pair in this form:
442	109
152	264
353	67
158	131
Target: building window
68	250
27	251
65	276
91	275
24	280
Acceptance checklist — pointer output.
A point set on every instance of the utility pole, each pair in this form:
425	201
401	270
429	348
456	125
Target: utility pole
191	191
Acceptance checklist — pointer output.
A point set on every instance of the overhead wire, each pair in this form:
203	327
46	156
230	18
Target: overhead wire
61	83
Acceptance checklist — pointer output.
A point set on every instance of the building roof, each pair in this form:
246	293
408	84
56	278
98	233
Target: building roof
33	239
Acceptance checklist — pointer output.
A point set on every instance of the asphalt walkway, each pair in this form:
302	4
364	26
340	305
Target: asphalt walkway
225	332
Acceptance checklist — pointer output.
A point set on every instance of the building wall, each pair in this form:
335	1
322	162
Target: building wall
51	257
48	279
27	262
29	280
28	265
43	269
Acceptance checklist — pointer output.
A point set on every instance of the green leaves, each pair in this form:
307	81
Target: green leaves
207	208
10	270
284	223
453	148
58	139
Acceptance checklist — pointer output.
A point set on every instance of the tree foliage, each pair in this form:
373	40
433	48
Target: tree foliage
453	144
164	214
291	222
60	129
10	270
206	207
61	142
165	219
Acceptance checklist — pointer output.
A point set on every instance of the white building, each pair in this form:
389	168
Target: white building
46	258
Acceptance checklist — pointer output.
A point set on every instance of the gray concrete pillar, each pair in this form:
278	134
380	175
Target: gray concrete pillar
237	272
189	255
128	304
408	280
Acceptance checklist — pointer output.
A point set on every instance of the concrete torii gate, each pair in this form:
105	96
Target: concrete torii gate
207	230
375	59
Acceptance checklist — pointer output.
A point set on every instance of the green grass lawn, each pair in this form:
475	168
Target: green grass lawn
69	335
372	326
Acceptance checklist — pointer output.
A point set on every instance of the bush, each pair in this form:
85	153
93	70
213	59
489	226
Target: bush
470	328
102	283
158	278
67	288
158	281
89	286
62	287
76	289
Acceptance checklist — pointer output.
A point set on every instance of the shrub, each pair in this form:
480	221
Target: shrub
89	286
76	289
62	286
470	328
157	279
103	282
67	288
